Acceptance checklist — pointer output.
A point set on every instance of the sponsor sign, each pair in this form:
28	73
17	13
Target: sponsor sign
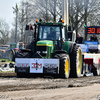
84	47
46	65
22	64
95	57
13	45
36	65
92	45
51	66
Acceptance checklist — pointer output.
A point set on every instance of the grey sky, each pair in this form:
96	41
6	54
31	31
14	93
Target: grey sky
6	11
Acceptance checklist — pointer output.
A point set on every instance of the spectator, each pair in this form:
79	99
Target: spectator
79	39
33	46
94	38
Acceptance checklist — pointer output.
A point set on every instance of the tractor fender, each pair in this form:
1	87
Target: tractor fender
71	45
60	51
68	46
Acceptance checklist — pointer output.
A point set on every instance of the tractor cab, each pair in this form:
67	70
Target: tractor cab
55	31
49	32
52	31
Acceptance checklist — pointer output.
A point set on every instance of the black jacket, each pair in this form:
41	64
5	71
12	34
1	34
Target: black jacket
94	39
79	40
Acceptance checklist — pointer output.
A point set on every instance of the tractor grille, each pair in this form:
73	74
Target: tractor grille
42	50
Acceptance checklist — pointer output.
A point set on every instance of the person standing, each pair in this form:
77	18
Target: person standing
79	39
94	38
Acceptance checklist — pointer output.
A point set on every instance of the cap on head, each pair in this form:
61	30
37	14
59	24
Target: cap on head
93	34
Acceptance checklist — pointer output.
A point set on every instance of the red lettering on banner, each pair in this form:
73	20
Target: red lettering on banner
18	65
22	65
26	65
38	65
33	65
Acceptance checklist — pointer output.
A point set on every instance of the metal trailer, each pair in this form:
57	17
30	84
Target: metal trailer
92	63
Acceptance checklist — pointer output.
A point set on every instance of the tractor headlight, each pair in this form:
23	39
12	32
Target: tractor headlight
45	52
38	51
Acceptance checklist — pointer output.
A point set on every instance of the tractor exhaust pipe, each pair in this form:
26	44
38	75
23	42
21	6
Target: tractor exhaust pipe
65	13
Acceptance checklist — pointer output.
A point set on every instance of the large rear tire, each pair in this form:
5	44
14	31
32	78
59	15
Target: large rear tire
64	69
76	61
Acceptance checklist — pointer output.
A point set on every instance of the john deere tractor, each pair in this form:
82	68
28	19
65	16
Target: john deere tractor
51	53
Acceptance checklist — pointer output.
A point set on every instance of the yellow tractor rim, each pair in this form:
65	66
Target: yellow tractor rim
80	61
67	67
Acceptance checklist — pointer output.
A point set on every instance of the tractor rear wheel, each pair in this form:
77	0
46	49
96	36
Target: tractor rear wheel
76	62
64	69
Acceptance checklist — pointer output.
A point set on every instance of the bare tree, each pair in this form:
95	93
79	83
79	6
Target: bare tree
80	12
4	32
12	36
45	9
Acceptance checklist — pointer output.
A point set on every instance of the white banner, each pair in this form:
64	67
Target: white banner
36	65
83	47
94	56
22	62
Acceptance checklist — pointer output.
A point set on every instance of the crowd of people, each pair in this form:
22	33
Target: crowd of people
79	39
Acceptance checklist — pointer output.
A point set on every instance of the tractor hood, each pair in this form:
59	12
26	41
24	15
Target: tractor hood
45	43
45	48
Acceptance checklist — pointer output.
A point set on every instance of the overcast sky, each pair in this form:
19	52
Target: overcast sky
6	11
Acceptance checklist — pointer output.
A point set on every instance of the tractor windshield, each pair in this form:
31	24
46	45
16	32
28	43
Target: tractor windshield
49	32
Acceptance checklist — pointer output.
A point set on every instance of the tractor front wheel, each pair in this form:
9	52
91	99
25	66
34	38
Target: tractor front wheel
64	69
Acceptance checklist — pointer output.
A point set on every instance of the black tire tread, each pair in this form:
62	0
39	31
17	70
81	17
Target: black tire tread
13	52
62	58
73	62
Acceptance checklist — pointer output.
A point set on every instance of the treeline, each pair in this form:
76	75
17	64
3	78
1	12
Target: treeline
81	12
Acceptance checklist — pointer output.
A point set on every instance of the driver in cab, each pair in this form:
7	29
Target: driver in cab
52	34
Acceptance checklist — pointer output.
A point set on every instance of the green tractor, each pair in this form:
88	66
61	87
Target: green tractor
13	49
52	53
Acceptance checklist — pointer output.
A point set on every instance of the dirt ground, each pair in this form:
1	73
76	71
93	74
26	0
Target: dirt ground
49	88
